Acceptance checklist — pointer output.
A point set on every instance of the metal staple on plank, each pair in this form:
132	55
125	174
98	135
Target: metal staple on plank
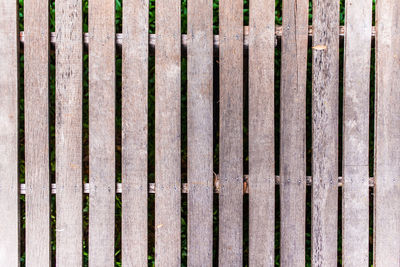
151	189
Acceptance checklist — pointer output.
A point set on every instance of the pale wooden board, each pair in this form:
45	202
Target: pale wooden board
168	134
37	178
101	132
9	186
261	133
200	132
231	133
69	49
293	132
356	133
325	102
387	138
134	132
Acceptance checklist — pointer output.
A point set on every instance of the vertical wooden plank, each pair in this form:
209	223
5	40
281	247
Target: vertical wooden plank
231	133
356	133
37	178
134	132
168	133
101	132
293	132
261	133
69	48
9	186
200	132
325	101
387	138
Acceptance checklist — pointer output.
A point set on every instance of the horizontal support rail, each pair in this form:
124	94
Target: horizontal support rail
152	190
152	37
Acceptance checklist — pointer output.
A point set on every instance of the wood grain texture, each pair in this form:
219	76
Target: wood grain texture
101	132
37	178
69	52
200	132
387	138
134	132
356	133
293	132
168	134
261	133
9	186
325	102
231	133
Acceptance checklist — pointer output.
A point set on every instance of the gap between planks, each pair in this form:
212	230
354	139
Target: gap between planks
185	185
152	37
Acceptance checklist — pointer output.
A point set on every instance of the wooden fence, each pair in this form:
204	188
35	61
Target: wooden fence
200	45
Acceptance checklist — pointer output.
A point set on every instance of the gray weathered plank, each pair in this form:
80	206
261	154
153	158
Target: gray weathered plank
356	133
387	138
293	132
231	133
325	82
69	49
9	186
134	132
261	133
200	132
168	134
37	178
101	132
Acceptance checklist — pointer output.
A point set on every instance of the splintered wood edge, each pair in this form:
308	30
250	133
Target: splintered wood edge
185	190
152	37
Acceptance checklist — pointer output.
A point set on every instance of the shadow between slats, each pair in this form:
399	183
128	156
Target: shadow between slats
85	144
21	148
184	141
215	153
118	148
85	153
340	150
52	135
308	152
52	102
277	136
246	219
371	148
184	149
151	154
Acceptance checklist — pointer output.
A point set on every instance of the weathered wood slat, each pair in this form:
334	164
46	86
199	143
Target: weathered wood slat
101	132
325	82
168	134
9	187
134	132
356	133
200	132
36	99
261	133
69	52
293	132
387	138
231	133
